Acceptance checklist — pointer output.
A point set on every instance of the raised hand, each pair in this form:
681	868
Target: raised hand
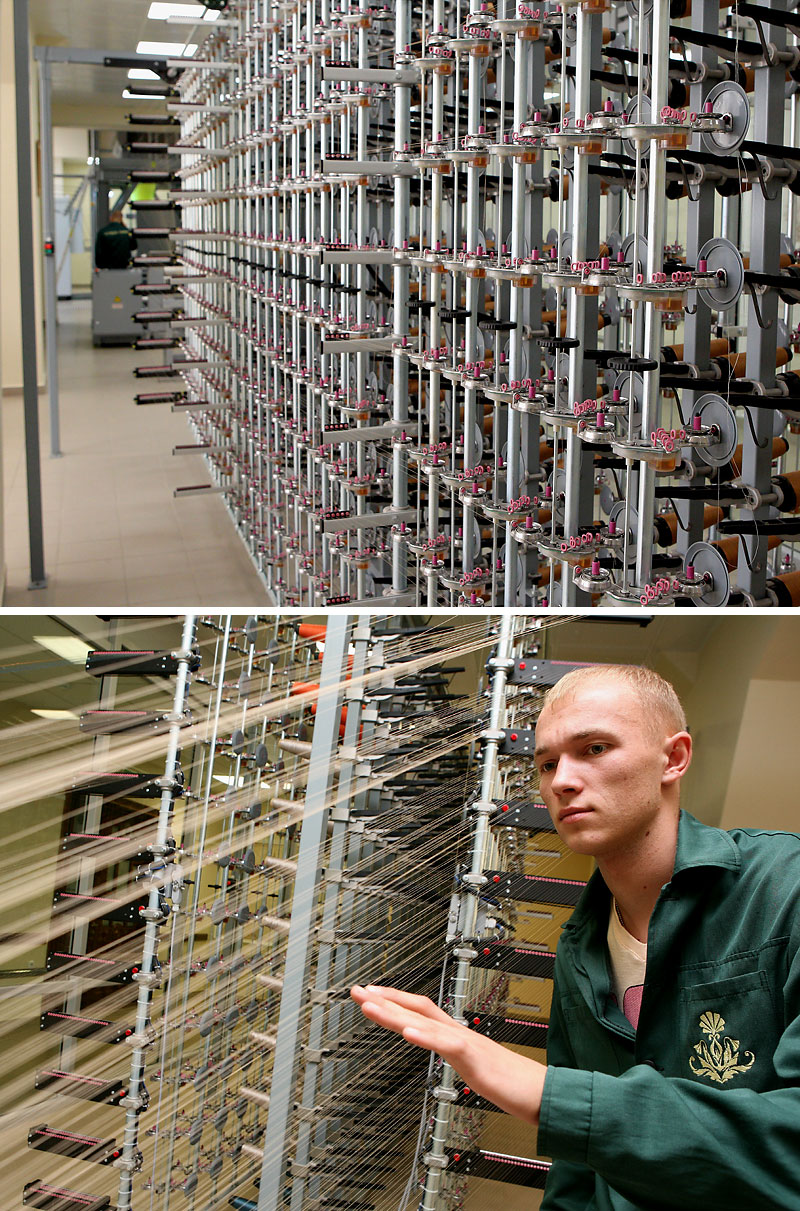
513	1082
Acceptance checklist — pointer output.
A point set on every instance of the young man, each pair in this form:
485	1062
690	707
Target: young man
673	1074
115	244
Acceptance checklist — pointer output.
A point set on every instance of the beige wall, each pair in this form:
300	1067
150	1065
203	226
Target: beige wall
743	715
10	323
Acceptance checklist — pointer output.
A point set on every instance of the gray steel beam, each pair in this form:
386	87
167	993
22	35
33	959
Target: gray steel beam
699	229
38	578
49	232
762	343
298	952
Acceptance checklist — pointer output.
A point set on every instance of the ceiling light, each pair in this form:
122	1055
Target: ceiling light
65	646
173	50
46	713
161	11
142	73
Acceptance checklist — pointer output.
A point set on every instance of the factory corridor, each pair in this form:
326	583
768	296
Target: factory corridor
113	531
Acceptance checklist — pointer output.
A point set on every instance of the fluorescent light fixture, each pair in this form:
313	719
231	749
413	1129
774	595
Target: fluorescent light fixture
172	50
129	96
161	11
46	713
66	646
142	73
228	780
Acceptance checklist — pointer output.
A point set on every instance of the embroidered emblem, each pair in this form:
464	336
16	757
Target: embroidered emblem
718	1060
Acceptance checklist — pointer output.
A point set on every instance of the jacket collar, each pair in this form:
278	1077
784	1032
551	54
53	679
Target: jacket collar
698	846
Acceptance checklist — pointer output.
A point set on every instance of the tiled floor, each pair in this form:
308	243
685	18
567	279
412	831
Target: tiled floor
114	534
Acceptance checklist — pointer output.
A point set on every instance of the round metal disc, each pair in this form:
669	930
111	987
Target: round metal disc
237	740
641	252
617	515
635	116
779	423
251	629
631	384
713	410
722	254
614	241
727	97
206	1023
707	559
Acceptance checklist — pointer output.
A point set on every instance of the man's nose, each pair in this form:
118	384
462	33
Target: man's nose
566	776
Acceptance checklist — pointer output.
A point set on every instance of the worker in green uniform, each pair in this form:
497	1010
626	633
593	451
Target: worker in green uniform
673	1073
115	244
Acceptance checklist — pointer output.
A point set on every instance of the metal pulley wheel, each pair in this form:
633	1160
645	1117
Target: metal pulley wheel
708	561
713	410
728	98
720	254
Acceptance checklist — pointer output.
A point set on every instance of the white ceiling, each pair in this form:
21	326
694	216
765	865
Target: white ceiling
116	25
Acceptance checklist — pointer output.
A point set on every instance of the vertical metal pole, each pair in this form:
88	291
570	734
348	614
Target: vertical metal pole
298	951
699	228
581	310
321	1013
127	1163
656	212
500	663
49	231
38	578
765	227
401	275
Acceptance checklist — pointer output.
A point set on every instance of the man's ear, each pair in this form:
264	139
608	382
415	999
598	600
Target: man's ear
678	752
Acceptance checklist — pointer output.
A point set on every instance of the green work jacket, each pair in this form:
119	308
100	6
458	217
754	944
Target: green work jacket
699	1109
113	247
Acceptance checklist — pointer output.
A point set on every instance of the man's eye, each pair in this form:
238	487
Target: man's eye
596	749
546	767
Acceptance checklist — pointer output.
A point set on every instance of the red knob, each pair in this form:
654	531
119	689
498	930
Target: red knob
466	1091
513	735
522	664
496	879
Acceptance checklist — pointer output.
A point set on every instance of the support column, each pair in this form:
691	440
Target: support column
298	953
38	578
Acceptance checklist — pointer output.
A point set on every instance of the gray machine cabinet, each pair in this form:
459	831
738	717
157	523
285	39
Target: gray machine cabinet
113	306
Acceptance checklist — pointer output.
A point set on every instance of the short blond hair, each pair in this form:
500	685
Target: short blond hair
653	691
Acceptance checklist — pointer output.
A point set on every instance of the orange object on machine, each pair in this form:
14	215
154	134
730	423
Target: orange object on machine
734	468
738	361
312	630
789	485
729	549
786	588
720	345
307	687
666	524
